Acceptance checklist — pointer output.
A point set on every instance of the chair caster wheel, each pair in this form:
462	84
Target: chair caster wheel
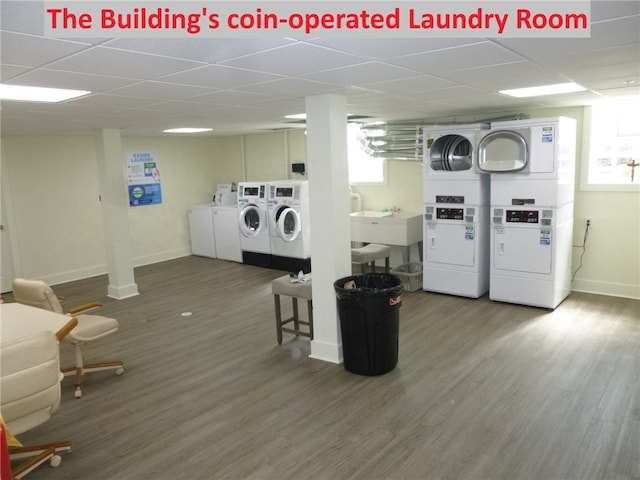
119	371
55	461
78	393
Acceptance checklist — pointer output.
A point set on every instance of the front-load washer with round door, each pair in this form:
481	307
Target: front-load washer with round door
289	223
254	223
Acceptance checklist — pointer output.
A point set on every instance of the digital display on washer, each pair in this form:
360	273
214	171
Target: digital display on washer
251	191
450	213
284	192
522	216
449	199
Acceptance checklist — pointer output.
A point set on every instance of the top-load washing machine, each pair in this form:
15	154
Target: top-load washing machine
254	223
532	165
456	212
289	223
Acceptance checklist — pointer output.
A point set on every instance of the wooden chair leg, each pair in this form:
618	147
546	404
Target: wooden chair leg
296	318
310	310
276	299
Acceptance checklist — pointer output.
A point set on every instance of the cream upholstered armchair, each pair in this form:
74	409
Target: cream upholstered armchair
29	394
90	327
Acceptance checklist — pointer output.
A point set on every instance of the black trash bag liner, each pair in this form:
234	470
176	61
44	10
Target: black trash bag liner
369	314
369	284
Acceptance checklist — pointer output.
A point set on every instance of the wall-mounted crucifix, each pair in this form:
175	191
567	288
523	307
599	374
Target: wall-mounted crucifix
633	164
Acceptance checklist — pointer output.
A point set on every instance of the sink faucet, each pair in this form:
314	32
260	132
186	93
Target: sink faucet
395	209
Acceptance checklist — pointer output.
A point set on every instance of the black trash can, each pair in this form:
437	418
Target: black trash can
369	322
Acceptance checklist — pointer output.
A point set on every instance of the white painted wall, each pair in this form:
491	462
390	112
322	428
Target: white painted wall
55	215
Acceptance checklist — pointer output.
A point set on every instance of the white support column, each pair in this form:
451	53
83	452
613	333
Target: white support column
330	208
115	214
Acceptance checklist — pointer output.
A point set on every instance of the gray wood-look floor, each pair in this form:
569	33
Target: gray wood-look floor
482	390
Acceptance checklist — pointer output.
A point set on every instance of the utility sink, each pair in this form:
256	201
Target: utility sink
371	214
390	228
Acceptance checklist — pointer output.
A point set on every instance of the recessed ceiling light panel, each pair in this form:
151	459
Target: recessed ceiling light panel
187	130
544	90
22	93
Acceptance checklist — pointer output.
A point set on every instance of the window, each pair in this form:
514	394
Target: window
614	145
363	168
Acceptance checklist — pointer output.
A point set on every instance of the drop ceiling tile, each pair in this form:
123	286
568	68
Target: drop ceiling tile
41	50
606	58
122	63
21	16
229	97
508	71
185	108
111	102
7	72
208	50
456	58
607	34
363	74
290	87
609	9
220	76
412	84
159	90
298	59
385	48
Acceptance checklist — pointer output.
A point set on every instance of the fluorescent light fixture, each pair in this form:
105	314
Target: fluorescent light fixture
187	130
38	94
297	116
303	116
544	90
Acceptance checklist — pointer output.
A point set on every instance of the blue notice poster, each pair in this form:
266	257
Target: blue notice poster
143	178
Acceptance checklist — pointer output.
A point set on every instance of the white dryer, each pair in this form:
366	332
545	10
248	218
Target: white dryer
226	231
456	202
289	223
532	164
530	159
203	241
254	223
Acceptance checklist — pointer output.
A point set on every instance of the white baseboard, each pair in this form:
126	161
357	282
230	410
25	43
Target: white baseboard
161	257
94	271
607	288
73	275
328	352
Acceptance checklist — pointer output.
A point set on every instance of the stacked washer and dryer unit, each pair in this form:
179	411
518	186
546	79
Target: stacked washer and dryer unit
275	224
518	177
532	165
456	212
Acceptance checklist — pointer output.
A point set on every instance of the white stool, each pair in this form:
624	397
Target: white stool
295	290
371	253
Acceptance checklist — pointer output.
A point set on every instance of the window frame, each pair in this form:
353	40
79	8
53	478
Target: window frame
585	185
383	166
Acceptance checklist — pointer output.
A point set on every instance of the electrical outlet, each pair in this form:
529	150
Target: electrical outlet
588	220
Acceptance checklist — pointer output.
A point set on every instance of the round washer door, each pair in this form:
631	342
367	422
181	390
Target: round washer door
252	221
451	153
503	151
288	222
